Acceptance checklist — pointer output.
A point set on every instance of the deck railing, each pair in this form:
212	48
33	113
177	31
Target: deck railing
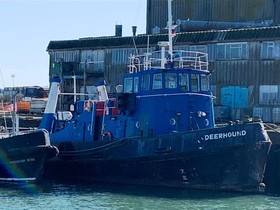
180	59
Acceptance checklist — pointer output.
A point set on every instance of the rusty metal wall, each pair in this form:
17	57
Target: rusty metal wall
211	10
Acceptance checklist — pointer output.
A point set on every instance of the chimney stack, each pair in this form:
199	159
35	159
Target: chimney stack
276	19
134	28
118	30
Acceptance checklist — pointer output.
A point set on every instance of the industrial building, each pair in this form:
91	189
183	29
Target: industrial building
245	62
202	13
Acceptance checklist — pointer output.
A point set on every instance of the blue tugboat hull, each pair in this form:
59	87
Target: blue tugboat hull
228	158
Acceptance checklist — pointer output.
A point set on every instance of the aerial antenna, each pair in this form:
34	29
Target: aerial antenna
2	78
2	102
135	47
169	25
148	44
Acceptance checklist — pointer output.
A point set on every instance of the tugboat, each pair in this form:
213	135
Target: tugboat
159	130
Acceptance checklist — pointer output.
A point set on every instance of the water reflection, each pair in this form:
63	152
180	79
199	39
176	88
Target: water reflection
51	195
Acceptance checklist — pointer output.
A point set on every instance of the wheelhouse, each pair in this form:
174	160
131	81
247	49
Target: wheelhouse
176	91
158	81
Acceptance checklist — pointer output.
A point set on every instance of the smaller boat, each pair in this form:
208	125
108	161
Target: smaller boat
23	156
23	153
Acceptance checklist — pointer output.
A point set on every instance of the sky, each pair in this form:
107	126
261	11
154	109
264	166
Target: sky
27	27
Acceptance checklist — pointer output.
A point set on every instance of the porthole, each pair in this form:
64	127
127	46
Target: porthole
137	124
172	121
206	121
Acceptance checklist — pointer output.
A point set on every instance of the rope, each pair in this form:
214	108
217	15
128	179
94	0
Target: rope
102	148
272	128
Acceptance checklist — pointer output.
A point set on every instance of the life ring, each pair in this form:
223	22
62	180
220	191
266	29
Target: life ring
107	134
88	105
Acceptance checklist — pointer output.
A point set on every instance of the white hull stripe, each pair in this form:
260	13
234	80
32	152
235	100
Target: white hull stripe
18	179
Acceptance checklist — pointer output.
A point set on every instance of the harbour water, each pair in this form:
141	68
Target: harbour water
117	197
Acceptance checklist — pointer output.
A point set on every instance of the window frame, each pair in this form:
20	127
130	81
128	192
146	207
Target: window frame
269	47
232	51
169	83
156	82
186	86
136	84
145	84
128	87
269	95
207	84
197	84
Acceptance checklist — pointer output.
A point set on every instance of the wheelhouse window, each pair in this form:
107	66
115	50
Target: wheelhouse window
136	84
171	80
194	82
184	82
128	82
157	81
204	82
232	51
267	50
145	82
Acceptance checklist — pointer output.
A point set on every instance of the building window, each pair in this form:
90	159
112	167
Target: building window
120	56
145	82
92	61
199	48
98	64
65	56
267	50
269	95
171	80
157	82
86	56
232	51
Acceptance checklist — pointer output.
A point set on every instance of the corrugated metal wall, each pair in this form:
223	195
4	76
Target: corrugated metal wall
246	72
211	10
252	71
259	74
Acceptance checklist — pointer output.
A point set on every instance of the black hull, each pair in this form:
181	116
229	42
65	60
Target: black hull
22	157
272	173
214	165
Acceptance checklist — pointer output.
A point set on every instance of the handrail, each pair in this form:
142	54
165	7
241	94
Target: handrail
181	59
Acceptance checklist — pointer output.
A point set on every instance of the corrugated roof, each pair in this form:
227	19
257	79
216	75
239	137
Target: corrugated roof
186	37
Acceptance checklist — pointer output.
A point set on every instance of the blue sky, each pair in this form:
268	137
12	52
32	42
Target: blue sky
28	26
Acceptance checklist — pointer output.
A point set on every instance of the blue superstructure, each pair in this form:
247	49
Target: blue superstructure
153	102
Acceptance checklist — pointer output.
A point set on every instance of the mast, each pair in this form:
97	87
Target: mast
14	114
169	25
75	88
